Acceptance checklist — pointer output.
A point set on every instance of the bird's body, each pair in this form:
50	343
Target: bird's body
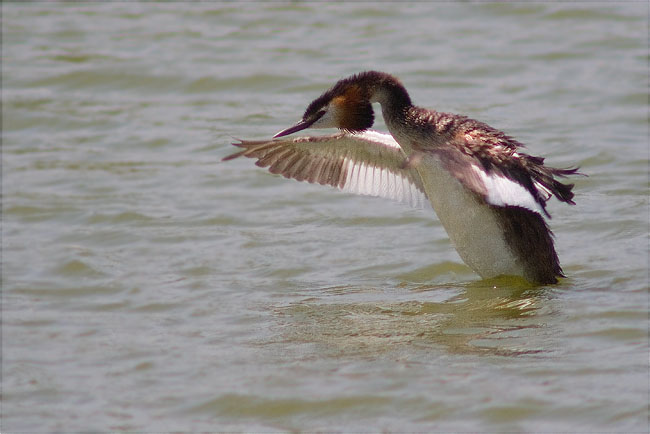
490	198
473	228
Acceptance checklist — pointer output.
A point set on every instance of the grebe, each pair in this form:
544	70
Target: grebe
489	197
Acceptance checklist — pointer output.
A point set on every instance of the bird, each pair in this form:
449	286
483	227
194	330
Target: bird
489	196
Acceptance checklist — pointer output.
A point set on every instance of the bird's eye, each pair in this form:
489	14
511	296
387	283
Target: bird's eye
319	114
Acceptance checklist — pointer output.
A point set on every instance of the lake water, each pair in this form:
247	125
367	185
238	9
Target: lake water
146	286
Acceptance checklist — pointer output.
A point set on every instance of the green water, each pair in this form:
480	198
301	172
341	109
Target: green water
148	287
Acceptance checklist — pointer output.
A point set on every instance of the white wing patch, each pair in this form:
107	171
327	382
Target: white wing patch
380	182
502	191
545	192
376	136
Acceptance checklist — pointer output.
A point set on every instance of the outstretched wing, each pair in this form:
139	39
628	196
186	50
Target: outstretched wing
367	163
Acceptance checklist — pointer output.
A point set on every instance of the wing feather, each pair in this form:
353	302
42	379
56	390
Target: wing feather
368	163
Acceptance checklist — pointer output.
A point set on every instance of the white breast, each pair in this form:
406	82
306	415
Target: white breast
472	226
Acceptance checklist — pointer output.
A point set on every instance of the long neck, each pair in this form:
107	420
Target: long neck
393	97
400	116
390	93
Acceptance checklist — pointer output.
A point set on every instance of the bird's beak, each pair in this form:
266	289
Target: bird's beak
303	124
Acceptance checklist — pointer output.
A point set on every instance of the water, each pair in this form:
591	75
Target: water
149	287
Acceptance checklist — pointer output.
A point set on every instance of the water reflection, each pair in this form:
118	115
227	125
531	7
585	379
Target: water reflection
495	317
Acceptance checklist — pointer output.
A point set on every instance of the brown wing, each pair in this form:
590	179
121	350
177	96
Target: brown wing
368	163
488	162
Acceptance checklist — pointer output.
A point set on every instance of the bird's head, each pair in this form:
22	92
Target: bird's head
345	106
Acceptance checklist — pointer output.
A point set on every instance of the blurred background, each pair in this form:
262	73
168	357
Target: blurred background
146	286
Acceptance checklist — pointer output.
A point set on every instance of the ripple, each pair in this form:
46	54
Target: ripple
249	83
67	292
77	268
109	78
233	405
589	14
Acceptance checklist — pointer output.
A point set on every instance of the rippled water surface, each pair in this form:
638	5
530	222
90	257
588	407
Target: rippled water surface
148	287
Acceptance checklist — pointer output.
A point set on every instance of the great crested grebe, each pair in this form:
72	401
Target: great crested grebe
490	198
